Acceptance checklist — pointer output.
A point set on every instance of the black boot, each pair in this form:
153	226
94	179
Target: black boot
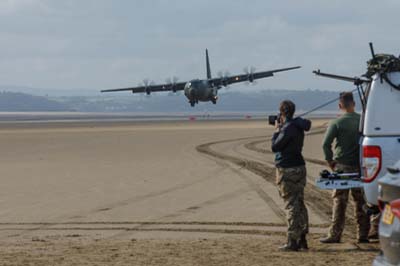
303	242
291	245
329	240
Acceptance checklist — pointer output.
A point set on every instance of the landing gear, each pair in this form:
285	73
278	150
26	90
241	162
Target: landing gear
193	102
214	101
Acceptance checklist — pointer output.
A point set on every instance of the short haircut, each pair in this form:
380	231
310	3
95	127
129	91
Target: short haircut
287	108
346	99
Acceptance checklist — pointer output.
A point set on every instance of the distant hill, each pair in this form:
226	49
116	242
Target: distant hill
21	102
229	101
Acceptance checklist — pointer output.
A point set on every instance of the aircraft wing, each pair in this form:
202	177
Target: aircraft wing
152	88
225	81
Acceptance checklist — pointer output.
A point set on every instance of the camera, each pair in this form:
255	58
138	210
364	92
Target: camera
272	119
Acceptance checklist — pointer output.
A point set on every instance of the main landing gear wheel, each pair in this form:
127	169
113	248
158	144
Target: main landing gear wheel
192	103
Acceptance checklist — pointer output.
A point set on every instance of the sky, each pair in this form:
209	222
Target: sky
100	44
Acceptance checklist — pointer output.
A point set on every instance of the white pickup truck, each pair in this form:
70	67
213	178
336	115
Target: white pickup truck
380	132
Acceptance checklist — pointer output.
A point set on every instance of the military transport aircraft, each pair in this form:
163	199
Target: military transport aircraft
202	90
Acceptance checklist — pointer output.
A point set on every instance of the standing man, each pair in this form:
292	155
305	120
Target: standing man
345	131
287	144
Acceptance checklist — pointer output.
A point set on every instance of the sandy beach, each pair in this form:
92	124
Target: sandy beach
156	193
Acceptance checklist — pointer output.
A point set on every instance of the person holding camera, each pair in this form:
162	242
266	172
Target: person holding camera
345	132
287	144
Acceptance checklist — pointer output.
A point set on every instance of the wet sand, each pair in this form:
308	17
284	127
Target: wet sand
155	193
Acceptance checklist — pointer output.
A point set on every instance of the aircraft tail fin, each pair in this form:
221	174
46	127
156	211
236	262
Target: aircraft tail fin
208	65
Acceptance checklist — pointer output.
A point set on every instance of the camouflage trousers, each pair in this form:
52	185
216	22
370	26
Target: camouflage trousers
291	183
340	201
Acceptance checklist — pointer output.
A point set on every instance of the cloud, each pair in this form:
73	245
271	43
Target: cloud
101	43
12	6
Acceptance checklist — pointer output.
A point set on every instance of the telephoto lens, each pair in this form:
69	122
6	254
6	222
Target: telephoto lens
272	119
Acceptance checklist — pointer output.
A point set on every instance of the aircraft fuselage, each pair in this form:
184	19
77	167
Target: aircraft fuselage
200	91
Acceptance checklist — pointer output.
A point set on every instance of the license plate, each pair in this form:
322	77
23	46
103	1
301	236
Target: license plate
388	216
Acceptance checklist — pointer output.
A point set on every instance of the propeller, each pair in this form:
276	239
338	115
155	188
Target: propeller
147	86
171	82
224	77
249	71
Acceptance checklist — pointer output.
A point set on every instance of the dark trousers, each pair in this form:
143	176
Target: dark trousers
340	201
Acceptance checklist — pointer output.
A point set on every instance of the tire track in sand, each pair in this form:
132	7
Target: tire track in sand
110	206
253	166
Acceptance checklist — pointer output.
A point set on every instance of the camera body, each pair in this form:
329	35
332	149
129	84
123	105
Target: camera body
273	118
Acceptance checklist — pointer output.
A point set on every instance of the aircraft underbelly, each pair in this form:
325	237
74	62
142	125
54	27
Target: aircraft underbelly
201	94
205	95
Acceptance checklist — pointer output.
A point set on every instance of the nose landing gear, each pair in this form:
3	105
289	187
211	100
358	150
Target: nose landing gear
193	102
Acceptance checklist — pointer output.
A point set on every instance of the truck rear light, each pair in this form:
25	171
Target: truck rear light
395	206
371	162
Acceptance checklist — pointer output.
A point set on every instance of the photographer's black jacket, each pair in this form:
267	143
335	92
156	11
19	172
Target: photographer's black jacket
288	143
